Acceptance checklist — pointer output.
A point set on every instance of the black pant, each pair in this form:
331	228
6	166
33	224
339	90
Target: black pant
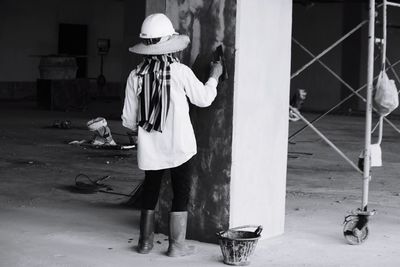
181	184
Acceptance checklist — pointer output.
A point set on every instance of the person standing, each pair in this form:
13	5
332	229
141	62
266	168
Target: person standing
156	107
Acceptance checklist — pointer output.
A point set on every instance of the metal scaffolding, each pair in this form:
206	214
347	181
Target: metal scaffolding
355	229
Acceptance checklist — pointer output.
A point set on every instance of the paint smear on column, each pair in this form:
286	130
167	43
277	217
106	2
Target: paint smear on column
208	23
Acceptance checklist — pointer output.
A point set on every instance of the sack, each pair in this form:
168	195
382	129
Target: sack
386	98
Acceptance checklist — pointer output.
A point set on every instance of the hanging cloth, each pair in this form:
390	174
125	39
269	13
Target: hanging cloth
154	91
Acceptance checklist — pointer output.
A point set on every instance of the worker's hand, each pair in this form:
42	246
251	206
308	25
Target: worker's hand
216	69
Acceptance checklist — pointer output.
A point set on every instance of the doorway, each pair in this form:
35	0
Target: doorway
72	40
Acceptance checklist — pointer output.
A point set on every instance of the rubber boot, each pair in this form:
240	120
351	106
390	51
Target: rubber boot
177	235
146	231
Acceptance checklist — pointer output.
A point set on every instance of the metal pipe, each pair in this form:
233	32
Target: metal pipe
384	34
330	70
325	139
328	49
380	130
393	4
344	100
391	66
354	92
394	72
391	124
383	59
368	109
398	92
376	126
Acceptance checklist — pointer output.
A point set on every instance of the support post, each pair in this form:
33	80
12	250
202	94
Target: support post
384	35
368	110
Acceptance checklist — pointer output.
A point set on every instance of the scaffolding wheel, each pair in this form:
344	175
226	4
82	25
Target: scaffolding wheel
353	233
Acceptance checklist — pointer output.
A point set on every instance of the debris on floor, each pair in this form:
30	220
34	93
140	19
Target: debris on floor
102	137
84	184
102	133
297	102
64	124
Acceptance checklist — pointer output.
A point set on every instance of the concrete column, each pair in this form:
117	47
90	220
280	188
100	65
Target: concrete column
239	172
260	114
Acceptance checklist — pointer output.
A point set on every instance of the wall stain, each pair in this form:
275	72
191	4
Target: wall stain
208	23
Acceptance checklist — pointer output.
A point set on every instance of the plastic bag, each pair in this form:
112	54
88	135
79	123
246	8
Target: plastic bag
386	98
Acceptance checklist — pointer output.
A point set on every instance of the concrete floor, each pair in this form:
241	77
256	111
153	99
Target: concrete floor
45	223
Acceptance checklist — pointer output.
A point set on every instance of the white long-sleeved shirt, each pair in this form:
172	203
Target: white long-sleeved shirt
177	143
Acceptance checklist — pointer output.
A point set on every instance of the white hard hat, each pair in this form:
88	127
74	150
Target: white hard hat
156	26
159	26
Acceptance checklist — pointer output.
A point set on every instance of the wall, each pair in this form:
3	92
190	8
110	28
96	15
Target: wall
31	28
317	27
260	124
351	60
134	14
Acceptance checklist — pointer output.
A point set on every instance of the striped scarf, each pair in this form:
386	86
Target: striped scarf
154	91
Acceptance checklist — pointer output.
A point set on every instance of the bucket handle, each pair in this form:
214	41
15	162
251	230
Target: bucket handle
258	230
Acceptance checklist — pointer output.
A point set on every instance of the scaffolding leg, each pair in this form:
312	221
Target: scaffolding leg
356	225
368	109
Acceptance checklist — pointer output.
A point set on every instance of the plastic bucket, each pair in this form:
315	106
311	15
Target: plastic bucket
237	246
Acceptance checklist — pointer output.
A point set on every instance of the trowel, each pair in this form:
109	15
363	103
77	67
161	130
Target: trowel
219	56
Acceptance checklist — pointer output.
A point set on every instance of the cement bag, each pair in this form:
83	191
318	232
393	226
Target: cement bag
386	98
